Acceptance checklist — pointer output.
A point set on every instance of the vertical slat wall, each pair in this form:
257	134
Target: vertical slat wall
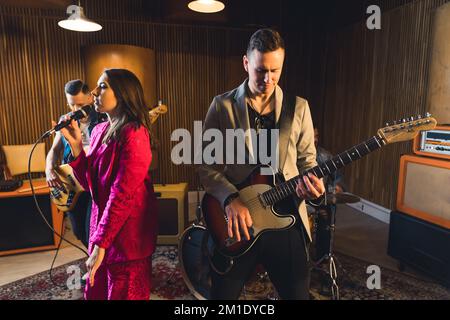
354	78
37	57
372	77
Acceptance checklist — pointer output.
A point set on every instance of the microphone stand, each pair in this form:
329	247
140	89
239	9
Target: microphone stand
331	258
332	272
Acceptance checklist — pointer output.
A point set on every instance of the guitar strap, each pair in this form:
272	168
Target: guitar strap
287	110
285	126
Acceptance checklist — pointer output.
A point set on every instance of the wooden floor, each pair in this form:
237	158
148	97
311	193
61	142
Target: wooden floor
366	238
362	236
357	235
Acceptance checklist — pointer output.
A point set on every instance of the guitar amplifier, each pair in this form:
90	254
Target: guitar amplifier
172	211
420	244
433	143
419	232
22	229
423	189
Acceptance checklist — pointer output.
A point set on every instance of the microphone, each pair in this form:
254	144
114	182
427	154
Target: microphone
77	115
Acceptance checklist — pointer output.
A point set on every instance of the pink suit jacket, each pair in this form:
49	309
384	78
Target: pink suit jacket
124	206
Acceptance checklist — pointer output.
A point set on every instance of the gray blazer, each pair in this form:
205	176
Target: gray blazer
295	146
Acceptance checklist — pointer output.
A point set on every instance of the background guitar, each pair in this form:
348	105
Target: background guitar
157	111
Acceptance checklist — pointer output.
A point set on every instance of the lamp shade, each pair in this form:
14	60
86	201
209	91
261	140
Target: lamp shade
206	6
77	21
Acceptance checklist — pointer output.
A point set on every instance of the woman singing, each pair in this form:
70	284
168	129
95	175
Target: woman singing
123	225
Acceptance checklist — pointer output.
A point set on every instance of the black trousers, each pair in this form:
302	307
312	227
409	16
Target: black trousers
80	218
284	255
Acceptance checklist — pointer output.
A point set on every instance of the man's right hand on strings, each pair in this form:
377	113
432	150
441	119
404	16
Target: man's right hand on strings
239	219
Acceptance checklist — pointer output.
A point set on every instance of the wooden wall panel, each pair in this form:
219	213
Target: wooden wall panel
372	77
354	78
439	84
37	58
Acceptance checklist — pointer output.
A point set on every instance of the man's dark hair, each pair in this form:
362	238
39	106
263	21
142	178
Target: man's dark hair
74	87
265	40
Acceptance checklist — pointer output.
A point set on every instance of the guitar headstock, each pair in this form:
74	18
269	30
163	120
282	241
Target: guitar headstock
157	111
406	129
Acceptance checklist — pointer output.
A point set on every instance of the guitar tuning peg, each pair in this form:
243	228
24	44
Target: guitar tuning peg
419	117
403	120
412	118
387	124
428	114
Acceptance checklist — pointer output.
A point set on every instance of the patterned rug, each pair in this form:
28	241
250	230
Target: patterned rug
168	283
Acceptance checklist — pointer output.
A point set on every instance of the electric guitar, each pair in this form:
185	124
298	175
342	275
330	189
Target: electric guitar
270	204
66	199
157	111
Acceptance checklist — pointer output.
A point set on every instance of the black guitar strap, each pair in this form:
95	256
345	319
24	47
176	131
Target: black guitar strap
285	124
287	111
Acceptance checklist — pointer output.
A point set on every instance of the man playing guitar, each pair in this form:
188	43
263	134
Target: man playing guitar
258	103
77	95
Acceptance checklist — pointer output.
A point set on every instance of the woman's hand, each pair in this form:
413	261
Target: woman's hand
94	262
72	133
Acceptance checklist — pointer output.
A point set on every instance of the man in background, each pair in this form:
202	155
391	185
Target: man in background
77	95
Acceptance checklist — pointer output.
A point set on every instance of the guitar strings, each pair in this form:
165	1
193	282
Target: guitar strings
257	199
369	143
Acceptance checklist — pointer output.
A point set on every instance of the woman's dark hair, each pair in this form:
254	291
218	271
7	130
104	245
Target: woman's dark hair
265	40
130	101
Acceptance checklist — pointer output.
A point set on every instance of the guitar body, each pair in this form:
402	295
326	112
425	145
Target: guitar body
265	218
65	200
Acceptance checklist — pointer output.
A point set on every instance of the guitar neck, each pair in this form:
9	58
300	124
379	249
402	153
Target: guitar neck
287	188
